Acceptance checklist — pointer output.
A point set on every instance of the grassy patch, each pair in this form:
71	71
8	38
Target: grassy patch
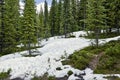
108	63
5	75
79	59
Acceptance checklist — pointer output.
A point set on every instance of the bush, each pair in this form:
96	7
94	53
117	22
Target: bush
70	73
79	60
113	51
5	75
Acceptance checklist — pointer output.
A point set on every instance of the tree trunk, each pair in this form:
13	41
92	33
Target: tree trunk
97	37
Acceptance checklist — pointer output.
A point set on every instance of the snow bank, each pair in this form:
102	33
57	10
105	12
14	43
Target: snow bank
52	52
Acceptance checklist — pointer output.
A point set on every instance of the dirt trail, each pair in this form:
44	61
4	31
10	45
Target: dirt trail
95	61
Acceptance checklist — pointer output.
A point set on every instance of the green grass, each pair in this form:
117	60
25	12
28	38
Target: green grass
5	75
108	63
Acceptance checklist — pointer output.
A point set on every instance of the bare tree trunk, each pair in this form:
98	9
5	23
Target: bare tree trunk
29	46
97	37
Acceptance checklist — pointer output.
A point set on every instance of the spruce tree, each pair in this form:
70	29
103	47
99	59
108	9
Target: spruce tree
95	17
53	16
110	16
74	26
67	17
41	22
10	24
16	20
115	8
1	24
46	26
81	13
60	18
29	29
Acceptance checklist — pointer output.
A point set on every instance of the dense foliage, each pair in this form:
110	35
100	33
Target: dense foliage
64	17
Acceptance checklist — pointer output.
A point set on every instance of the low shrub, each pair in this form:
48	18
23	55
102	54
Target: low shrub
70	73
5	75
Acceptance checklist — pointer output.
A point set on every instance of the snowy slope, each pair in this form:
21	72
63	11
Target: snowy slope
53	50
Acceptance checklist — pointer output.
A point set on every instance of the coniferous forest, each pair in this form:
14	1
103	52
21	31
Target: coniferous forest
22	30
64	17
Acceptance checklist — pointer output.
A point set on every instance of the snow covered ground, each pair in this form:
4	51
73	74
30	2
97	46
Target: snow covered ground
50	59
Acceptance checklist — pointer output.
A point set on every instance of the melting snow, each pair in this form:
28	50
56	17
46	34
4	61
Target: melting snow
52	51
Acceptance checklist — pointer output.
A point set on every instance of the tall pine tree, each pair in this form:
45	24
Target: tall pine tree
29	29
115	8
46	24
67	17
95	17
10	24
74	26
53	16
60	18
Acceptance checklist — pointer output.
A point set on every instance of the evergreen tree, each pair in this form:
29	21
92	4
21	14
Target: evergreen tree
28	30
16	20
95	17
1	24
40	25
41	22
53	15
74	26
10	24
110	15
81	13
46	26
67	17
115	8
60	18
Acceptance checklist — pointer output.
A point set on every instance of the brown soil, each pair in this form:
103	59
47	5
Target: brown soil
95	61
